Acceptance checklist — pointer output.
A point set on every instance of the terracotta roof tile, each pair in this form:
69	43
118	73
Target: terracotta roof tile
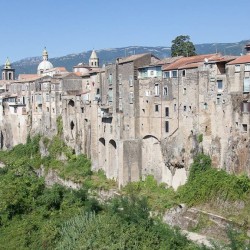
241	60
184	61
132	58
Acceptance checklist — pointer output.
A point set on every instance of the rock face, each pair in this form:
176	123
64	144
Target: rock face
52	177
139	116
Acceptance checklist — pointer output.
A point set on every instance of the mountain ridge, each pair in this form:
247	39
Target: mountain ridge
29	65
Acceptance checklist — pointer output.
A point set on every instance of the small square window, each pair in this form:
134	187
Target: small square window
237	68
167	74
244	127
174	73
247	67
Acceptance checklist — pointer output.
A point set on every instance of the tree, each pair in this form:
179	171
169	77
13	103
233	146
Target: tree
182	46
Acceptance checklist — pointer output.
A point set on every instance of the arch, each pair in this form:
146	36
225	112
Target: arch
149	136
102	140
113	143
152	159
10	76
102	154
71	103
112	163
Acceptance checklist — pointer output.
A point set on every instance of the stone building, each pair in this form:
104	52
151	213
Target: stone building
140	115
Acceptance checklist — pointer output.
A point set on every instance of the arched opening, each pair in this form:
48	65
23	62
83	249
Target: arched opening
152	160
102	154
10	76
112	163
71	103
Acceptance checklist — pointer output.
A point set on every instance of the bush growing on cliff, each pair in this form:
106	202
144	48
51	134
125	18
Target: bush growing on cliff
206	183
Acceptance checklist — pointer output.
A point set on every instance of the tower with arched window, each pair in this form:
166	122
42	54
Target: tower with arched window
8	73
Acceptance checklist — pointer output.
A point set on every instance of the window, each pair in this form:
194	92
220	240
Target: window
98	91
110	79
82	110
110	95
245	107
175	107
131	97
157	89
167	74
244	127
166	126
174	73
218	99
247	67
219	85
131	81
246	87
47	98
157	108
47	109
184	108
184	73
167	111
237	68
205	106
165	90
151	72
184	91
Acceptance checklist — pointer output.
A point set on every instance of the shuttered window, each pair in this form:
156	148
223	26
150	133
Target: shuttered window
246	87
245	107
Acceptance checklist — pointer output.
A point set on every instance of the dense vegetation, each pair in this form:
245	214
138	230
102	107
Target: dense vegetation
33	216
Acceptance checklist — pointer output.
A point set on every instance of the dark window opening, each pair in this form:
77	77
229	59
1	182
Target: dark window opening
167	111
71	103
72	125
166	126
244	127
156	108
82	110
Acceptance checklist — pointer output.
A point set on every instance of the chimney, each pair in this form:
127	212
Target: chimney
247	47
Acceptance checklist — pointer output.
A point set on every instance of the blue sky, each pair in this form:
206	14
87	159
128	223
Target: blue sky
74	26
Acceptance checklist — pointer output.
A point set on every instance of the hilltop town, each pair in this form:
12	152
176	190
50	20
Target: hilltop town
139	116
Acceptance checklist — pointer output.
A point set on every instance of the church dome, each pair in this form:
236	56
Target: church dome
44	65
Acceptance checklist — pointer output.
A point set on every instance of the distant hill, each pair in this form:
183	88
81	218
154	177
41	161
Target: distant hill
29	65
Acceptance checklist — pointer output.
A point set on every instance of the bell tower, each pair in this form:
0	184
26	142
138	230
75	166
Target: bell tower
94	60
7	72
